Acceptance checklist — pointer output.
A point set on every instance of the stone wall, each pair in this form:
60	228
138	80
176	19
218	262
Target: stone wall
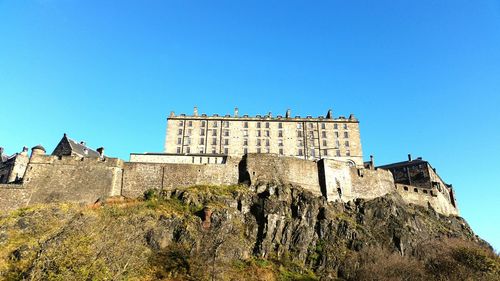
271	168
139	177
424	196
13	196
177	158
369	184
72	179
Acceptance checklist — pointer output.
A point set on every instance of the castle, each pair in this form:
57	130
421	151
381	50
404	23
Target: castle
322	155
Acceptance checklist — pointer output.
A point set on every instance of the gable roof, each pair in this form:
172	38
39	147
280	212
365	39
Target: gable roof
69	146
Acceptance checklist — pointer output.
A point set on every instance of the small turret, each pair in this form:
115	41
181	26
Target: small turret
38	150
24	152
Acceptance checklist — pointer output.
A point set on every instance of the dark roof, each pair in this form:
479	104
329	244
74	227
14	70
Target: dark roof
403	164
4	157
81	149
39	147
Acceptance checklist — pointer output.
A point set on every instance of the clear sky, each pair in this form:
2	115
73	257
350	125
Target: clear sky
422	76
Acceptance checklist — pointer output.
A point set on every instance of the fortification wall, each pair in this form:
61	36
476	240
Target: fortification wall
369	184
286	170
139	177
72	179
424	197
13	196
335	180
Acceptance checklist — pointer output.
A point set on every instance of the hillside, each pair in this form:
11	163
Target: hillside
273	232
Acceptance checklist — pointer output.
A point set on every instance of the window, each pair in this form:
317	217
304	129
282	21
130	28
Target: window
214	141
280	133
245	142
203	123
259	150
281	151
346	135
226	124
300	143
345	127
335	126
325	143
226	133
226	141
178	150
214	132
337	144
299	134
245	125
267	142
323	134
310	125
323	126
202	132
267	125
258	133
201	150
189	132
190	124
268	150
348	153
245	150
258	142
188	141
313	153
325	152
336	134
347	143
245	133
181	123
213	150
226	150
179	141
337	153
299	125
267	134
179	132
215	124
188	149
202	141
300	152
258	125
280	125
280	142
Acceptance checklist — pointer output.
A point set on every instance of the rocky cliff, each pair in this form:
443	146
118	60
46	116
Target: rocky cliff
265	232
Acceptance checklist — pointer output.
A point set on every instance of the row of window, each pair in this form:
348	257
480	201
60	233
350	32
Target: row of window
267	133
300	143
259	124
300	151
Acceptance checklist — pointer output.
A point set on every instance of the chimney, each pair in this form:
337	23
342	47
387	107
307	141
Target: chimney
172	114
409	157
101	151
372	163
195	111
236	112
329	114
288	113
83	143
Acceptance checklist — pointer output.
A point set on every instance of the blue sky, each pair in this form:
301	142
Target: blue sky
423	76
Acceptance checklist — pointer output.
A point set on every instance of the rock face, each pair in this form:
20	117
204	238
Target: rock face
265	232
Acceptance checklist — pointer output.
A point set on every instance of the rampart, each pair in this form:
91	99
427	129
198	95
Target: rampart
425	197
86	180
139	177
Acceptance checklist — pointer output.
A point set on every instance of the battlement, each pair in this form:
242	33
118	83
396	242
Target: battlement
266	117
76	160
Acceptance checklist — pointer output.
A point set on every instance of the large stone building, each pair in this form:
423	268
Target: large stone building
324	137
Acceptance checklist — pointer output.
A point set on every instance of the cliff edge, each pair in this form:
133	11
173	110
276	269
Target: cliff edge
265	232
